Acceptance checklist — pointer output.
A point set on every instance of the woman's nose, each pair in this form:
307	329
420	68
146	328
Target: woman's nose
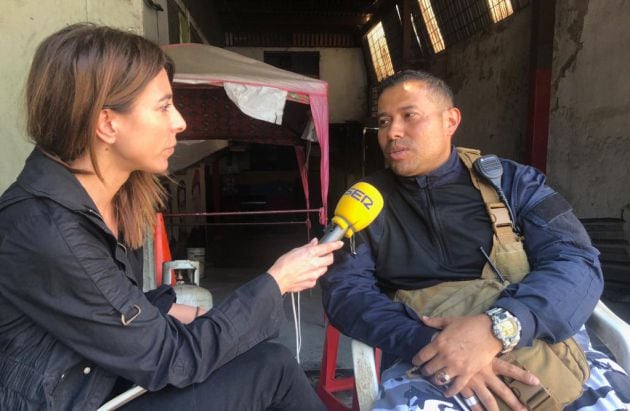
179	124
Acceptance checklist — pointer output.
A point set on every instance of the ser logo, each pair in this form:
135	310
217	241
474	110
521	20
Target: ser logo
360	196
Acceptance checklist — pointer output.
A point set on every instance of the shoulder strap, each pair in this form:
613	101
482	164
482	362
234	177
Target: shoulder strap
497	211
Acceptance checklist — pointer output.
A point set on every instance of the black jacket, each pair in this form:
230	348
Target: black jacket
66	284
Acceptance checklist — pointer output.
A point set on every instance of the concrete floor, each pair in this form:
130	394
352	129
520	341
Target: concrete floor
221	281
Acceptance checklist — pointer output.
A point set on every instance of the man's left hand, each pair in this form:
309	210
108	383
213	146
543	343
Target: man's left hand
463	347
486	386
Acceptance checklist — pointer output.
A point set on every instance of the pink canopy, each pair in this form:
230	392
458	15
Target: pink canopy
200	64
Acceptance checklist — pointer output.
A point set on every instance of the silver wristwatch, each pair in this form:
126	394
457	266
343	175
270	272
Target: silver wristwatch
506	327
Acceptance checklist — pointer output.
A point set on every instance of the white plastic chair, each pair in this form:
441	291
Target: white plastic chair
122	399
611	330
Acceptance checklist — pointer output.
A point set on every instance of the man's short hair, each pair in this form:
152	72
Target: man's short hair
436	84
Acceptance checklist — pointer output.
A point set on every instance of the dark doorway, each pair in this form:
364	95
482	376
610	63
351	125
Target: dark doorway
302	62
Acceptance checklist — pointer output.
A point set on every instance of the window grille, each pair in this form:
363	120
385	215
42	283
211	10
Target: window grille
380	52
435	34
500	9
460	19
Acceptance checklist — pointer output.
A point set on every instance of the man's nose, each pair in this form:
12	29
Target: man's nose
395	130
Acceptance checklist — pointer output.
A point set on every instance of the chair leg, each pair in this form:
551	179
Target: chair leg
328	383
365	361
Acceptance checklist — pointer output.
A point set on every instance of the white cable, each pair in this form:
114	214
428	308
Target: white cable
297	322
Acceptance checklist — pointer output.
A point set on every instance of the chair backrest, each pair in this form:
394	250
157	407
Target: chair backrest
613	332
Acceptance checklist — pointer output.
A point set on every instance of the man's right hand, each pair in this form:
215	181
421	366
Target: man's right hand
486	385
463	347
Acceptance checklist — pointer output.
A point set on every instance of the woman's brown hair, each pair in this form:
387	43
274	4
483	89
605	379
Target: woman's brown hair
78	71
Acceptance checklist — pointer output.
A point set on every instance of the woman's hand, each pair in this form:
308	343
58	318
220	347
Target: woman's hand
185	313
300	268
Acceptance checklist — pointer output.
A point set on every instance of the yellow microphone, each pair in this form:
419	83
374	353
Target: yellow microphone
356	209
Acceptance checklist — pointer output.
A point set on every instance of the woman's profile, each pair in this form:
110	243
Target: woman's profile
75	326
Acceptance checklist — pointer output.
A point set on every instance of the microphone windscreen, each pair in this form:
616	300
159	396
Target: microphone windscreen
357	208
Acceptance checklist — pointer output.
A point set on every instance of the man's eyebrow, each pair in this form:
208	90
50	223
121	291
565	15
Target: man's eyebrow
407	107
403	108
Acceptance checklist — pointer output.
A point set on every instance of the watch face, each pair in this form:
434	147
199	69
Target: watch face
505	327
508	328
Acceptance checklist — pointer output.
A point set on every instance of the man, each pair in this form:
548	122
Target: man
435	228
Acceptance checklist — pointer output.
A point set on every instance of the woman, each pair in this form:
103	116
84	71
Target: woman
73	319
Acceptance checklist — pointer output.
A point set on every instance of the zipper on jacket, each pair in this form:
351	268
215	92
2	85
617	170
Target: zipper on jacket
434	223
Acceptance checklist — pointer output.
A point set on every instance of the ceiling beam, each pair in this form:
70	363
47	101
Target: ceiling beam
245	21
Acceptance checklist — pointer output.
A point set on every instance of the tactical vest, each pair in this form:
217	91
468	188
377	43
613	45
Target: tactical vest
561	367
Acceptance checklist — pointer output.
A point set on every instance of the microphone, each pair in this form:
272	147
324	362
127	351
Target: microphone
356	209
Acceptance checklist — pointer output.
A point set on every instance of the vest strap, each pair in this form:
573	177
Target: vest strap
497	211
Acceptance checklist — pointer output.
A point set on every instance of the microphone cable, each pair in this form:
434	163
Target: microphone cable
356	209
297	323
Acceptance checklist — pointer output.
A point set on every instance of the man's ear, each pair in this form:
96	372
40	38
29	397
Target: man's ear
105	126
451	118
